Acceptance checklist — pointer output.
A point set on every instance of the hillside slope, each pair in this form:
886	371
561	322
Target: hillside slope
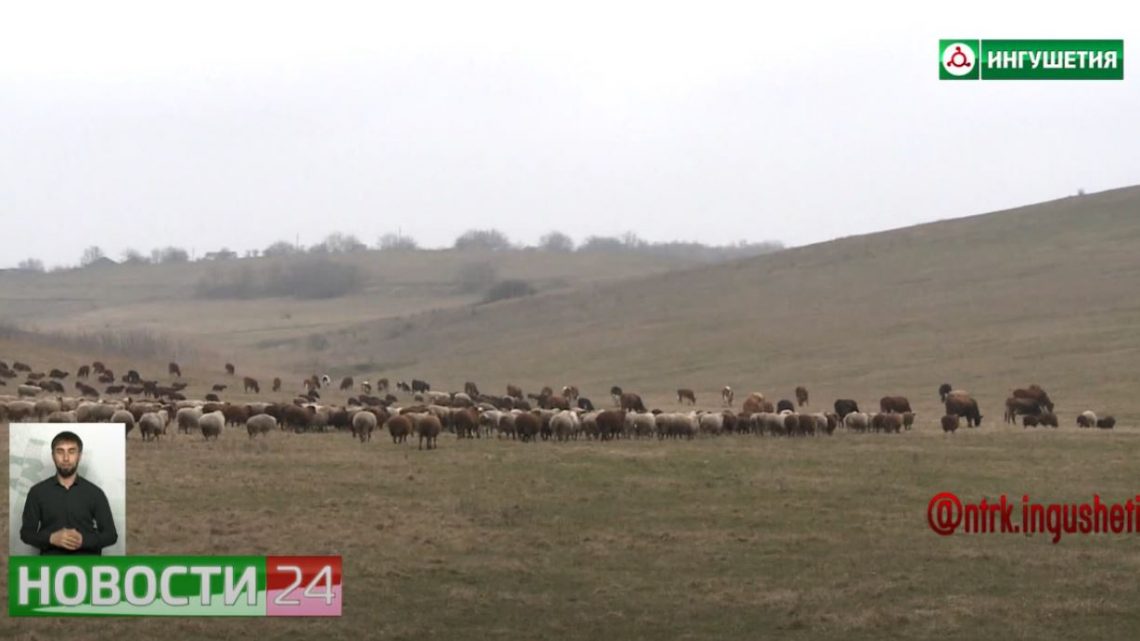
161	299
1048	293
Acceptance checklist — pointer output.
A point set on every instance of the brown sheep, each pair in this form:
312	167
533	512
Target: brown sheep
801	395
466	423
399	427
276	384
950	423
174	370
960	403
346	383
908	420
610	424
527	426
251	384
897	404
754	404
631	402
684	394
428	427
230	369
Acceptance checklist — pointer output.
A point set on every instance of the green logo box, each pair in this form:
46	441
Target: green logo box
966	59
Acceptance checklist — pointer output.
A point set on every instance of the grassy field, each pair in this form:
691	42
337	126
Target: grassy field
726	538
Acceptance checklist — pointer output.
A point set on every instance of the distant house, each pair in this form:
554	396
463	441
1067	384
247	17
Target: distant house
223	254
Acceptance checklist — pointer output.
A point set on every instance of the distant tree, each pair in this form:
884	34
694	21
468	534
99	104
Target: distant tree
601	243
31	265
338	243
556	241
133	257
632	240
491	239
169	255
396	241
221	254
91	255
281	248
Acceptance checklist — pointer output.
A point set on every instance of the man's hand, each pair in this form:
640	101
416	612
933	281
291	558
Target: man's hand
67	539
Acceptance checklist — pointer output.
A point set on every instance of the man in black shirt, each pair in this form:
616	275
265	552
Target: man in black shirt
67	514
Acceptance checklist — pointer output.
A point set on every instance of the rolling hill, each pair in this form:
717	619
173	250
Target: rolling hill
1046	293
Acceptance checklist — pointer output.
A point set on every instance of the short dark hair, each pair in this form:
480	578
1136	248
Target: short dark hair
67	437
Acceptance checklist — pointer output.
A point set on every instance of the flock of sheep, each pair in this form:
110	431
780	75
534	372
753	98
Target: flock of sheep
470	414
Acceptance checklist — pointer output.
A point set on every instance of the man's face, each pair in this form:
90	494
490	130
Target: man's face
66	456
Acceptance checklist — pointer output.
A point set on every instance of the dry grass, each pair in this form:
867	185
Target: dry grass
733	537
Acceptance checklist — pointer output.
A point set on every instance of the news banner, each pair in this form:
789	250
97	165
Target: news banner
210	586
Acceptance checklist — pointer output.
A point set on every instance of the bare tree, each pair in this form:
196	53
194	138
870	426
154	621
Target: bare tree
91	255
396	241
31	265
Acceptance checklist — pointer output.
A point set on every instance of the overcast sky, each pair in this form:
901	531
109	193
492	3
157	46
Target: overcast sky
210	124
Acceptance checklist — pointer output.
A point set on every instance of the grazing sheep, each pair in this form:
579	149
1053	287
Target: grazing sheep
251	384
46	406
260	424
908	420
363	423
62	417
28	390
230	369
712	423
1049	419
755	403
276	383
726	396
685	394
428	427
187	418
174	370
399	427
1086	418
801	395
1030	420
211	425
152	425
527	426
950	423
1108	422
896	404
218	387
565	425
616	394
126	418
